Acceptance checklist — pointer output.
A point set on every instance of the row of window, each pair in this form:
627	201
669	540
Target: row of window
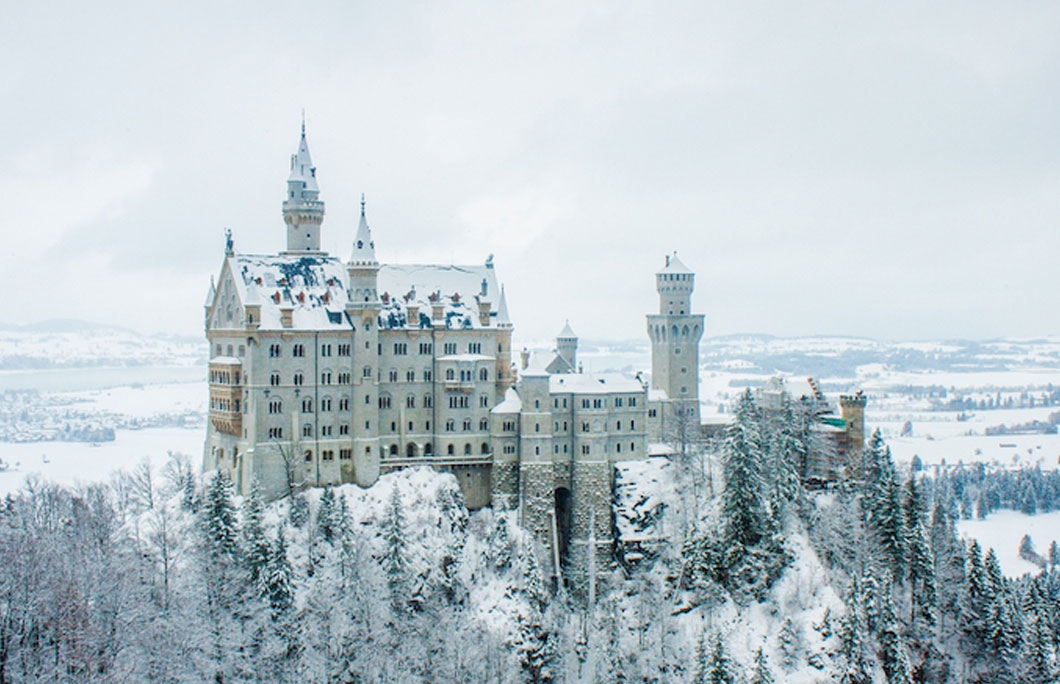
222	404
412	450
219	377
220	350
298	350
599	403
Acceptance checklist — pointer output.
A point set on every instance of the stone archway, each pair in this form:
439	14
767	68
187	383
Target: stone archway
562	509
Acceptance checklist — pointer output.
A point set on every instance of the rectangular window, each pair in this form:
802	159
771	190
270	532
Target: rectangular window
450	348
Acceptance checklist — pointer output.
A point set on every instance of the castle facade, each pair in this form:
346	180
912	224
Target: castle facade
324	371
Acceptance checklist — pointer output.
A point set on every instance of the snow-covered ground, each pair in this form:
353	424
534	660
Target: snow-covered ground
72	462
1003	530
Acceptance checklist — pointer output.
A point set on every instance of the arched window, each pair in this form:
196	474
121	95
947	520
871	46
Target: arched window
467	425
449	374
307	430
410	401
366	372
274	379
450	450
428	449
410	375
450	425
484	374
483	425
307	405
393	449
410	450
308	455
467	449
298	378
428	401
485	448
393	375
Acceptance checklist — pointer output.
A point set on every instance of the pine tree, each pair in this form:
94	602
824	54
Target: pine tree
856	668
276	580
789	644
719	669
219	517
395	555
1054	555
921	563
1039	650
742	504
761	674
500	545
298	513
325	519
531	584
894	658
883	507
255	544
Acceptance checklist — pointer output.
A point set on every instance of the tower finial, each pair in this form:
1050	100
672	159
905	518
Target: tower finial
362	204
303	122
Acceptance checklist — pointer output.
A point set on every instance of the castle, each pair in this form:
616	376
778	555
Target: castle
324	371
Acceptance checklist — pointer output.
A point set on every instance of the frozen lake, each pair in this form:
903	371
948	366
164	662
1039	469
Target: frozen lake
75	379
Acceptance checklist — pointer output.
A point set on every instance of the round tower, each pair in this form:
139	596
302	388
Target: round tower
675	333
303	212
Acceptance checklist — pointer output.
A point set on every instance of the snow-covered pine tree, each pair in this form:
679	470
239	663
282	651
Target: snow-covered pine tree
298	513
883	505
499	543
856	667
255	543
743	510
893	655
325	523
219	517
719	669
395	550
920	562
790	644
761	673
276	581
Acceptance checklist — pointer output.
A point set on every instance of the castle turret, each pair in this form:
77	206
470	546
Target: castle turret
362	267
852	410
303	212
567	346
675	333
362	308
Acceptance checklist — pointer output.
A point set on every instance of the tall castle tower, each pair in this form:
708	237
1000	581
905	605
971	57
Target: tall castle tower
675	333
362	308
303	212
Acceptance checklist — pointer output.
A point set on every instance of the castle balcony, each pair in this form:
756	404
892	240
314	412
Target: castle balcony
441	460
460	385
226	395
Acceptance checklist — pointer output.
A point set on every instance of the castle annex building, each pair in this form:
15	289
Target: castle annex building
327	370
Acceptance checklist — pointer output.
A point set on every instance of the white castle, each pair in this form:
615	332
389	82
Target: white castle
324	371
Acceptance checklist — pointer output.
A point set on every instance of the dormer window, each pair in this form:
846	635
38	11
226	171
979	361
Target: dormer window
360	244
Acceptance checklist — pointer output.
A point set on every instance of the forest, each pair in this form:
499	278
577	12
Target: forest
167	577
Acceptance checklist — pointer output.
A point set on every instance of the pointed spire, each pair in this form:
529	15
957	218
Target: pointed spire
567	331
303	173
210	294
363	246
503	320
303	122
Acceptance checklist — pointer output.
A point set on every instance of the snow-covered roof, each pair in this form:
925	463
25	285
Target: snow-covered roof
227	360
459	289
314	287
675	265
567	332
591	383
511	404
302	166
657	394
363	246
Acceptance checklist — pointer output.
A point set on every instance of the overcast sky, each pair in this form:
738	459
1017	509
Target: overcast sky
881	169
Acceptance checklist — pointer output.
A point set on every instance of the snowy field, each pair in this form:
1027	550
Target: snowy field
73	462
1003	530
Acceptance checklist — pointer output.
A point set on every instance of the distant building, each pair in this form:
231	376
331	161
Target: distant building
324	371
